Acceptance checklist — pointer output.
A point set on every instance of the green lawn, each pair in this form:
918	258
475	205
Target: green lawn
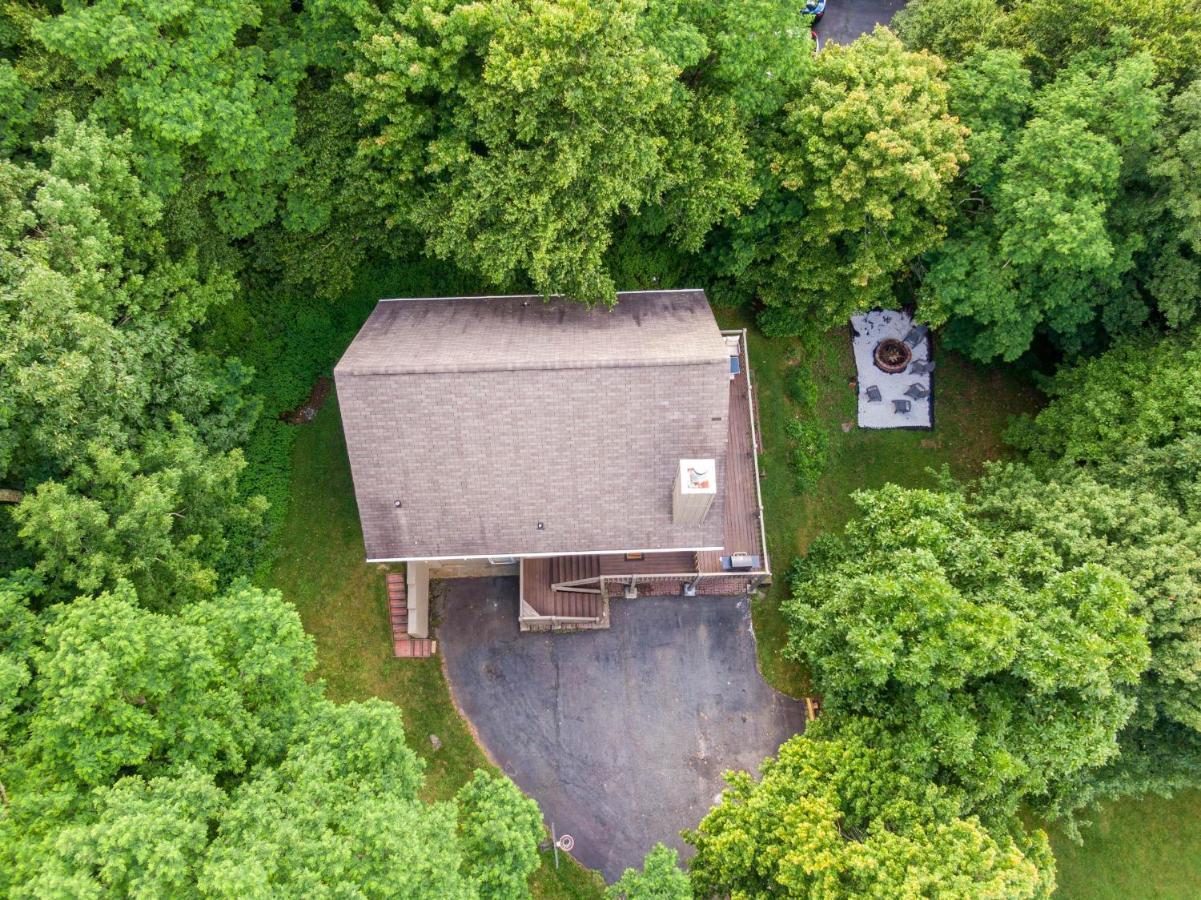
320	568
1135	850
972	407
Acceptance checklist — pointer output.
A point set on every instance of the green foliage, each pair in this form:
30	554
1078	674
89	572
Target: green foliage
1158	550
343	810
1175	267
847	816
660	879
499	830
1002	668
809	453
1116	465
495	137
951	29
187	755
156	519
121	690
802	389
1048	238
860	166
1130	416
1050	33
205	78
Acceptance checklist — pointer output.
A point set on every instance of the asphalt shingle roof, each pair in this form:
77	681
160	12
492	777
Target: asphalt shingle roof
484	416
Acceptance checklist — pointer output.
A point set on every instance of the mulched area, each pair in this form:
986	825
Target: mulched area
307	411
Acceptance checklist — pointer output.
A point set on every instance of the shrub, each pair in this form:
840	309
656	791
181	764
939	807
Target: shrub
810	452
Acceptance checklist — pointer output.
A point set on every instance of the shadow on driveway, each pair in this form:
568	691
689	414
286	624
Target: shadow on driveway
620	735
845	20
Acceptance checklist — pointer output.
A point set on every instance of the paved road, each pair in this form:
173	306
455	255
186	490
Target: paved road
845	20
621	735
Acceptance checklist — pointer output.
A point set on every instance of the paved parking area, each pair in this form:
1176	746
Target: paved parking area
845	20
621	735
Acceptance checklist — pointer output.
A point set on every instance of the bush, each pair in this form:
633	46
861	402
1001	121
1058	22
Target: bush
810	452
802	389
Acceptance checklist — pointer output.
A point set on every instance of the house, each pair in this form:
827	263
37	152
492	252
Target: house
594	453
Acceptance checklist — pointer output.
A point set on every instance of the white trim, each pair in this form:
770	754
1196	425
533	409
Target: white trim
521	556
541	296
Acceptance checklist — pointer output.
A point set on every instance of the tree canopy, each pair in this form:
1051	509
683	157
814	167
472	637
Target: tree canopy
186	754
845	816
506	147
861	165
1000	665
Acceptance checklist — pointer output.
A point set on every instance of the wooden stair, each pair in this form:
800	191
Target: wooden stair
539	574
404	646
575	568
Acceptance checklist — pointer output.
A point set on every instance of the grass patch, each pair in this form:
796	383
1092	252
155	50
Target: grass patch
319	567
811	380
1146	848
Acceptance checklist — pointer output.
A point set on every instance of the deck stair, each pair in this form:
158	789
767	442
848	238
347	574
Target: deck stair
540	575
404	645
567	573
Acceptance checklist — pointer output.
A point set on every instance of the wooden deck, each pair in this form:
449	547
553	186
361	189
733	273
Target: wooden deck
742	533
672	563
404	645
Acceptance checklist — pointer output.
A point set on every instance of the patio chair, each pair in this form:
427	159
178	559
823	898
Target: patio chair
917	391
916	334
873	394
921	368
901	406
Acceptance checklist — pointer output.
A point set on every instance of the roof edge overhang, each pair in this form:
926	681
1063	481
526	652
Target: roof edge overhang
407	559
558	365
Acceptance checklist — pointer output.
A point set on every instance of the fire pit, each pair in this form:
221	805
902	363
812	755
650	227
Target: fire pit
892	356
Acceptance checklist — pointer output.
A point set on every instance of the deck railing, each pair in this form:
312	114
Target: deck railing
756	443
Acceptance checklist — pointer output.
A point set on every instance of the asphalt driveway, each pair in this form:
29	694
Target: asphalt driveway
621	735
845	20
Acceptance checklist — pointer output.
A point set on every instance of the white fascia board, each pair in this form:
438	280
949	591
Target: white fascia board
400	559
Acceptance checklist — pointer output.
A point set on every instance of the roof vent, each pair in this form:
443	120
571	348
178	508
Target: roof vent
694	490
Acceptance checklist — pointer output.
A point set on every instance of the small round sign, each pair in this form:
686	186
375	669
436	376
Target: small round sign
566	842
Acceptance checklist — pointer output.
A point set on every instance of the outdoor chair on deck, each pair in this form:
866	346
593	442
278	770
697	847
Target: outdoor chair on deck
921	368
901	406
873	394
917	391
915	336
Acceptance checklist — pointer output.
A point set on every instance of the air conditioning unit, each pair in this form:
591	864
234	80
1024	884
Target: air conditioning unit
742	561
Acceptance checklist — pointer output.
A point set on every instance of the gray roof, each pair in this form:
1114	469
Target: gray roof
484	416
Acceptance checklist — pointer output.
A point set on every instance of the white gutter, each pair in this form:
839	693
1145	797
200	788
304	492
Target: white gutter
405	559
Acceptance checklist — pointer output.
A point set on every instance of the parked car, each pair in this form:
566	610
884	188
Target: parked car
815	8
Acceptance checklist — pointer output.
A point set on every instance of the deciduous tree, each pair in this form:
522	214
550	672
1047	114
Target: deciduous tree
1001	666
860	167
839	816
510	135
659	879
1050	230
